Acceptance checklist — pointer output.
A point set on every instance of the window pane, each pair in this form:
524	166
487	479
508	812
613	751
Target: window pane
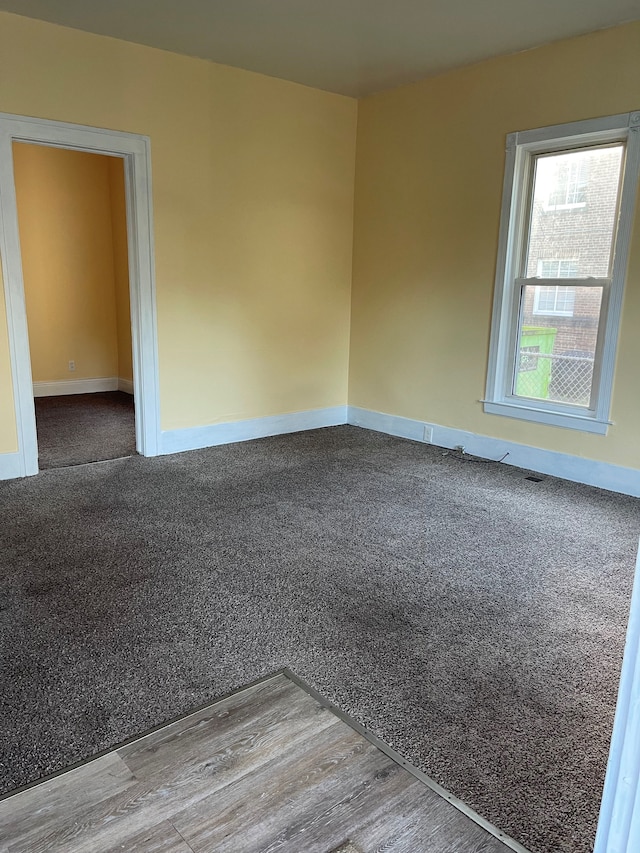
573	216
557	346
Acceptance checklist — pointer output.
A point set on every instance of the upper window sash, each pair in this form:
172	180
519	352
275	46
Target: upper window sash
520	153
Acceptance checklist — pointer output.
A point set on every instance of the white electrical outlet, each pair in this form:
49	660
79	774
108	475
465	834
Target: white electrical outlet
428	434
72	365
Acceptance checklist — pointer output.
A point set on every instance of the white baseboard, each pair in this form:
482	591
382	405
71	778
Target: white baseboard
75	386
615	478
177	440
125	385
11	466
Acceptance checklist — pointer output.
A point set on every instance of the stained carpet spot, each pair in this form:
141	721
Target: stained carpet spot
347	847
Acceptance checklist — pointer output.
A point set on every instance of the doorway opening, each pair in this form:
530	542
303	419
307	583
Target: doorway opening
73	237
111	356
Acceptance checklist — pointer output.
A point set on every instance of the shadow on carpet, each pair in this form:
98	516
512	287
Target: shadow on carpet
79	428
472	619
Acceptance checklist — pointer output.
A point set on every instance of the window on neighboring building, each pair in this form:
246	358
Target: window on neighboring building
557	269
567	211
555	299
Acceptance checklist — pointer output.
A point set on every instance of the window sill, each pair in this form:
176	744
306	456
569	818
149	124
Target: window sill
585	423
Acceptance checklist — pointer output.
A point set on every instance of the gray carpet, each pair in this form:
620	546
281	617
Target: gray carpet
80	428
471	618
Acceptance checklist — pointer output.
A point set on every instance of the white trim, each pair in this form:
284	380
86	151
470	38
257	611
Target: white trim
135	150
11	466
619	823
521	147
592	130
575	468
193	438
125	385
75	386
620	261
527	411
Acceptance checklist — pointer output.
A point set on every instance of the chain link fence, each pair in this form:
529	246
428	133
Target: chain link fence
569	376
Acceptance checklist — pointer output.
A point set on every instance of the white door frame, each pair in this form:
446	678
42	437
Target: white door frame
619	824
135	151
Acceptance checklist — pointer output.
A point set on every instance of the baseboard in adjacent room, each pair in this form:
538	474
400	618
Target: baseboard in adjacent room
125	385
76	386
177	440
615	478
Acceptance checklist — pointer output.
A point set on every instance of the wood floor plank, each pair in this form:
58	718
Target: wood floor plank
163	838
407	815
420	819
235	709
277	704
43	808
268	770
266	808
179	783
323	819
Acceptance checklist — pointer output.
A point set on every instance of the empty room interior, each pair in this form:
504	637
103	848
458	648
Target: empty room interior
319	447
73	239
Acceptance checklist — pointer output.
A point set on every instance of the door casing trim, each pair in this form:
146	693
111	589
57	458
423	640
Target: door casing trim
136	152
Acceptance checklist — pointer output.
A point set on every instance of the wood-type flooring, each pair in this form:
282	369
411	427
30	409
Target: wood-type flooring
269	768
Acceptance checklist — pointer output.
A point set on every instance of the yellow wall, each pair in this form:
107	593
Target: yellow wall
253	209
253	203
120	266
430	162
65	214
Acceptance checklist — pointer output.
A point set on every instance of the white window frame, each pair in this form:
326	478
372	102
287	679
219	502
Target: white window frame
522	147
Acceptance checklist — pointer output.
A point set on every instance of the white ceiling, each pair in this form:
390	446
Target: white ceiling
354	47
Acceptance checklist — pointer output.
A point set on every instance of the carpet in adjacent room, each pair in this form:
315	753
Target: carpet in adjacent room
78	428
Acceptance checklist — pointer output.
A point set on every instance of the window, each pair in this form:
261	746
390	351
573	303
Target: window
567	213
557	269
554	299
569	187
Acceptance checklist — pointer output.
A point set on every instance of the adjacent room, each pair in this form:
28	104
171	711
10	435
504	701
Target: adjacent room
377	291
73	239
